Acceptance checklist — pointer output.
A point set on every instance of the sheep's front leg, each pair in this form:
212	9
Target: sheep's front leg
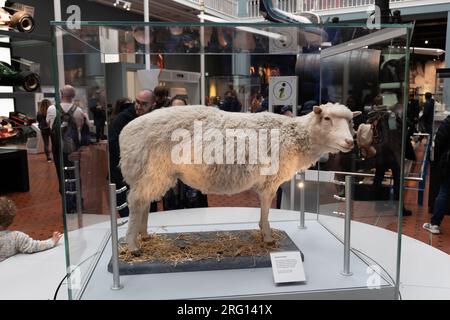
265	200
144	222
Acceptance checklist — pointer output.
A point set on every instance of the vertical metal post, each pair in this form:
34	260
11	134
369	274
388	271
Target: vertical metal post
292	194
347	224
114	238
446	92
59	43
202	55
302	201
78	195
148	62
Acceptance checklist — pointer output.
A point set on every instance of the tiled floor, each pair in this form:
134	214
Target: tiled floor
39	210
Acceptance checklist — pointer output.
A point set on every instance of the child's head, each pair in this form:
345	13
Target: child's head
7	212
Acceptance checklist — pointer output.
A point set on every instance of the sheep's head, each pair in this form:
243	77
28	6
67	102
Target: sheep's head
333	127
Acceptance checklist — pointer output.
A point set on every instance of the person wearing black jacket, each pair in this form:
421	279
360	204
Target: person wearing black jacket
97	106
44	127
442	157
413	115
428	114
144	103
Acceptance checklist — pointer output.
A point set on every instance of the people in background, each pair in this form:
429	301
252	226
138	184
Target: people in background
275	72
231	102
183	196
353	103
378	104
385	158
14	242
413	114
307	107
67	101
145	102
231	91
442	157
161	97
97	105
265	101
178	100
44	127
256	102
58	144
121	105
286	111
215	102
426	121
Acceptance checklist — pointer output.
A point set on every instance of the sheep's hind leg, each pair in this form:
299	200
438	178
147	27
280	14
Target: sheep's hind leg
156	191
265	200
138	208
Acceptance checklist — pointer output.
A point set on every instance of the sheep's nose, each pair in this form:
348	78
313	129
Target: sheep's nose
349	142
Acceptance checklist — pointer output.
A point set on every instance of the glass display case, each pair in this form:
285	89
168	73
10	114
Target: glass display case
344	213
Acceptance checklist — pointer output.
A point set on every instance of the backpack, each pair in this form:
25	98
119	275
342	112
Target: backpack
69	132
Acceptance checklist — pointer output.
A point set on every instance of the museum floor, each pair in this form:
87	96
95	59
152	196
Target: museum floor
39	210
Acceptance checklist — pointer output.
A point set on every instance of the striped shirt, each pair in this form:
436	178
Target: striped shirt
13	242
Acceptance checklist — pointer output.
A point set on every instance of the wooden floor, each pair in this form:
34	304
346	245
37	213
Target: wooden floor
39	210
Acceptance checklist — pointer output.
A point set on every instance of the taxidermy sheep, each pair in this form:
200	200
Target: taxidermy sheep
221	152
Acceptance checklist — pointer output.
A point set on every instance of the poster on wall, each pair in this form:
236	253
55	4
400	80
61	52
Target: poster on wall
109	45
282	91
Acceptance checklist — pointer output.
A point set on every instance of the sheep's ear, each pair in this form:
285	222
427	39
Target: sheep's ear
356	113
317	110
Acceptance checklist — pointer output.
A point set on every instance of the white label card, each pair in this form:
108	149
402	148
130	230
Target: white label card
287	266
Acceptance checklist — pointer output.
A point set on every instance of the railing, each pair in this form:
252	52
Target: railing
230	8
288	5
252	8
323	5
297	6
227	7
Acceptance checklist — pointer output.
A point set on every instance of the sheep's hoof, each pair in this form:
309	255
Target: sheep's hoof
136	253
269	240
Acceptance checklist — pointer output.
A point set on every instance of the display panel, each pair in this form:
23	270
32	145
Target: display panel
286	69
369	74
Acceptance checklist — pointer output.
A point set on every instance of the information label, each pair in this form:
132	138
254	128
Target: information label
282	92
287	266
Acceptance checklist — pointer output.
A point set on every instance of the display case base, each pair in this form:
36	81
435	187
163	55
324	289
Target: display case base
218	262
323	266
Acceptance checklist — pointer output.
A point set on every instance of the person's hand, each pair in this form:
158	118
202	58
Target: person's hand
75	156
83	149
56	237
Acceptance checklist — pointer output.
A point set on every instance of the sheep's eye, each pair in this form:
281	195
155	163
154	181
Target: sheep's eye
327	118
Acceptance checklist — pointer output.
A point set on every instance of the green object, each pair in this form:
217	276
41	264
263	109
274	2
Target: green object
28	80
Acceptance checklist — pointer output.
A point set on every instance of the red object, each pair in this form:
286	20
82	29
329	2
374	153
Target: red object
20	119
